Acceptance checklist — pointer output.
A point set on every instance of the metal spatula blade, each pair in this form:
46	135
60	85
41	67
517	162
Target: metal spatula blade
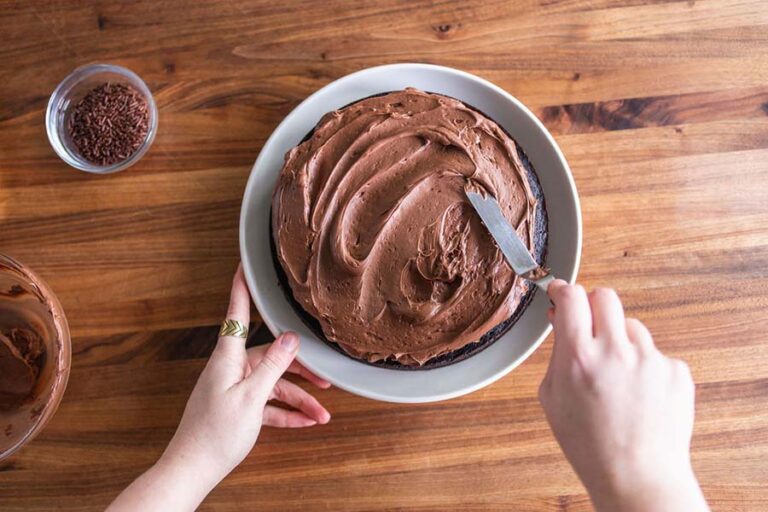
510	244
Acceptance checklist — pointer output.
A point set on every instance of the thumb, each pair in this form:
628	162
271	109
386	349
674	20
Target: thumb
274	363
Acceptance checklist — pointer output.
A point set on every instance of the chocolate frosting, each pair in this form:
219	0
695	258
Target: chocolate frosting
21	353
377	238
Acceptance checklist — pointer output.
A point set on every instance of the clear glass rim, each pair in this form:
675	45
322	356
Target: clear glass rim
63	362
51	119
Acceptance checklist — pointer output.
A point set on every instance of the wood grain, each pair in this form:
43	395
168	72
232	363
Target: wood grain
661	108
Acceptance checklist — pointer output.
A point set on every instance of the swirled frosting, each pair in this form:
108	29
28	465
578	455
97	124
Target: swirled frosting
376	237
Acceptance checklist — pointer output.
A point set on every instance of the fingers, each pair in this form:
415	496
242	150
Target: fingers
277	417
239	309
291	394
228	359
555	285
298	369
275	362
682	372
239	298
640	335
572	317
607	314
256	353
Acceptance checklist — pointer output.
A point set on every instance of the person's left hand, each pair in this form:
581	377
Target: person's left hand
229	405
224	415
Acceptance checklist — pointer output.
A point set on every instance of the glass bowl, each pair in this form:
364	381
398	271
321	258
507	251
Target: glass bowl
27	302
70	91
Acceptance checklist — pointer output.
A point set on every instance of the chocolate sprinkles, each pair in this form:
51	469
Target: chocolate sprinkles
109	124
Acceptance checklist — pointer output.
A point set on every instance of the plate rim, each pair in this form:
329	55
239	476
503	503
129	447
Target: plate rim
295	112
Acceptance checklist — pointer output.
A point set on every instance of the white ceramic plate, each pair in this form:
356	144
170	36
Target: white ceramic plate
494	362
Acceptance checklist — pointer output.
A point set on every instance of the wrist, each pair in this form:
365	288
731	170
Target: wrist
188	459
180	470
170	484
657	491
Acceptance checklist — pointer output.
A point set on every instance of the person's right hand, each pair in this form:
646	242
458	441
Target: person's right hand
621	411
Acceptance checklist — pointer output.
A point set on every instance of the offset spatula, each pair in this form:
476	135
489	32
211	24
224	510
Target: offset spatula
510	244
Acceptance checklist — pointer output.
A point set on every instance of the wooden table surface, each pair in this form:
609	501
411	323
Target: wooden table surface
661	108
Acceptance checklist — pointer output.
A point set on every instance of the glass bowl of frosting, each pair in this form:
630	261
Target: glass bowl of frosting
35	355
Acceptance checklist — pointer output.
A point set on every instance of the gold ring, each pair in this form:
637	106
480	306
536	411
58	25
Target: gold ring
233	328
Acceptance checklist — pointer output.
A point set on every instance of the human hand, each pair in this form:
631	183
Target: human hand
228	405
224	415
621	411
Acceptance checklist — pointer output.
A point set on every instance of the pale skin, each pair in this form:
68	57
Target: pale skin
621	411
224	416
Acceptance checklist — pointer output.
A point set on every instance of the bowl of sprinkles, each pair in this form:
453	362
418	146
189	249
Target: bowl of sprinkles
101	118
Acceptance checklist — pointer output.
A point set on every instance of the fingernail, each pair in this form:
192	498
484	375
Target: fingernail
289	341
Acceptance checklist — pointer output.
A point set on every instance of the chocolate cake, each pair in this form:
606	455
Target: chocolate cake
375	243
